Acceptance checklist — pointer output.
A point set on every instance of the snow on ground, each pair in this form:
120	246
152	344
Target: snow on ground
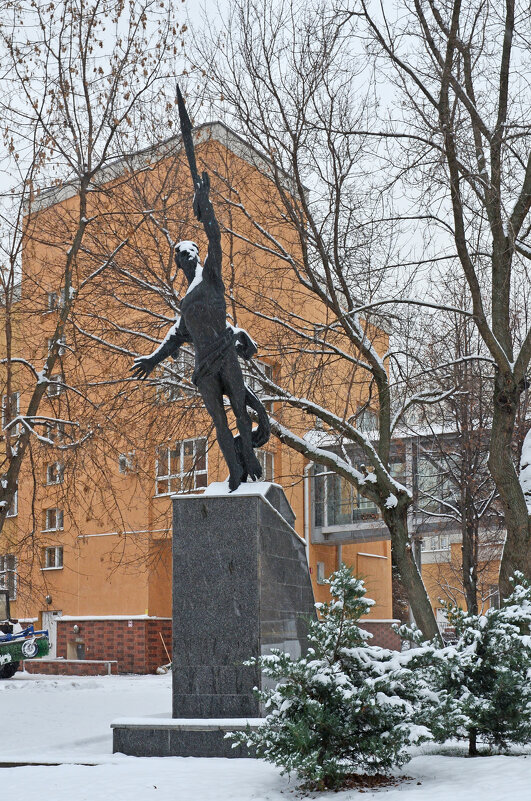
67	719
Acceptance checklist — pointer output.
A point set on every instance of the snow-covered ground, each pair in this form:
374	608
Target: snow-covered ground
66	720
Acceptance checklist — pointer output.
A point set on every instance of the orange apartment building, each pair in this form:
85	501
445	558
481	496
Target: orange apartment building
86	550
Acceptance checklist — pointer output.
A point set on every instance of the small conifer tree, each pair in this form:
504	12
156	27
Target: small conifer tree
344	707
486	675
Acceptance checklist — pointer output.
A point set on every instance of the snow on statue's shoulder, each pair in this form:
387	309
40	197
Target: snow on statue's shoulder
197	279
220	488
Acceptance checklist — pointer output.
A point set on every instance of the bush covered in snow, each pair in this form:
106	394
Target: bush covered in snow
486	675
346	706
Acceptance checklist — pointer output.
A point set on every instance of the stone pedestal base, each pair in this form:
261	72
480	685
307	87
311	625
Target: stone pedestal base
241	587
179	737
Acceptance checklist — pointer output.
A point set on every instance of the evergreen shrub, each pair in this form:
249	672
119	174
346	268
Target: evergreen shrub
345	706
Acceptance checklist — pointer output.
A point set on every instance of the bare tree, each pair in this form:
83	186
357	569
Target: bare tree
462	74
78	93
286	77
455	494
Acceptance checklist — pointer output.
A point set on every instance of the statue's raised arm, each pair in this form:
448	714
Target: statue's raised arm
204	212
203	208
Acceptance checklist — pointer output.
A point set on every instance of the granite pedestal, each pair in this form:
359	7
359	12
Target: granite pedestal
241	586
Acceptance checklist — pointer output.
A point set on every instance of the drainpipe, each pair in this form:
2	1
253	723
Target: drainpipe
307	510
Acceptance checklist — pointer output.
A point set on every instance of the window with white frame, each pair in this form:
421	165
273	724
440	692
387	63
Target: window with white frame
55	473
436	542
55	430
10	410
253	381
55	300
170	386
61	343
13	508
267	463
55	386
182	467
52	557
52	519
126	462
8	574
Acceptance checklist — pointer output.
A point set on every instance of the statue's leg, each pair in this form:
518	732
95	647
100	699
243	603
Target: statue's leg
234	386
212	394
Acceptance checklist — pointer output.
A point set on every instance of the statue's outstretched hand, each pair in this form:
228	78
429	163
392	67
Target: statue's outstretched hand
201	196
142	367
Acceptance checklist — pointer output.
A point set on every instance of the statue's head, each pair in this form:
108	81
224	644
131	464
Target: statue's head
187	258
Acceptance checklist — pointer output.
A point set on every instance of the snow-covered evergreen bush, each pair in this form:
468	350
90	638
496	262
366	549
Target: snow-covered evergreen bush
346	706
486	675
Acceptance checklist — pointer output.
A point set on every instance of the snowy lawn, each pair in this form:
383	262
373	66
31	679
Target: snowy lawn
67	720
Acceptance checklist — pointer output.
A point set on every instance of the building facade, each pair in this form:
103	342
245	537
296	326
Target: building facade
86	551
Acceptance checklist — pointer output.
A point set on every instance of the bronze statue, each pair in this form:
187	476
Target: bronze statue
203	323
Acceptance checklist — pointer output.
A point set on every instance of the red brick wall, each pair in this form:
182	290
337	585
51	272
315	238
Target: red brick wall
135	644
382	634
69	667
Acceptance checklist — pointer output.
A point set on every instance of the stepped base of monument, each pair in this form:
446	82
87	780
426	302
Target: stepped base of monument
157	737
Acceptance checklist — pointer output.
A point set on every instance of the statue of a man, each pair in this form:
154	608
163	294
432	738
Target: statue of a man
203	322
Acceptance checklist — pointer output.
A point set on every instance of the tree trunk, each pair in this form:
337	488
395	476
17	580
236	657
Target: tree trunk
396	521
472	742
470	560
517	550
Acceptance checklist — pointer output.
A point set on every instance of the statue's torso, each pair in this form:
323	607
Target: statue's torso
205	312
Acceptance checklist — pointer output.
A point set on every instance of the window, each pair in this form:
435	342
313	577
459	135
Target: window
494	596
182	468
55	300
52	557
55	473
254	383
126	462
13	509
436	542
10	410
170	386
320	573
8	574
52	519
54	387
55	431
398	471
267	463
336	502
434	483
367	421
61	345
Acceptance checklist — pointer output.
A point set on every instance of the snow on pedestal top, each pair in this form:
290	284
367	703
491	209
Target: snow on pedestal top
220	488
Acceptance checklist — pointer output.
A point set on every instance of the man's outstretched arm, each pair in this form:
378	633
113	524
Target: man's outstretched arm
176	336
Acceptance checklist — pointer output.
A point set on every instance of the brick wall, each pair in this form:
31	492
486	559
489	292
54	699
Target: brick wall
135	644
382	634
70	667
